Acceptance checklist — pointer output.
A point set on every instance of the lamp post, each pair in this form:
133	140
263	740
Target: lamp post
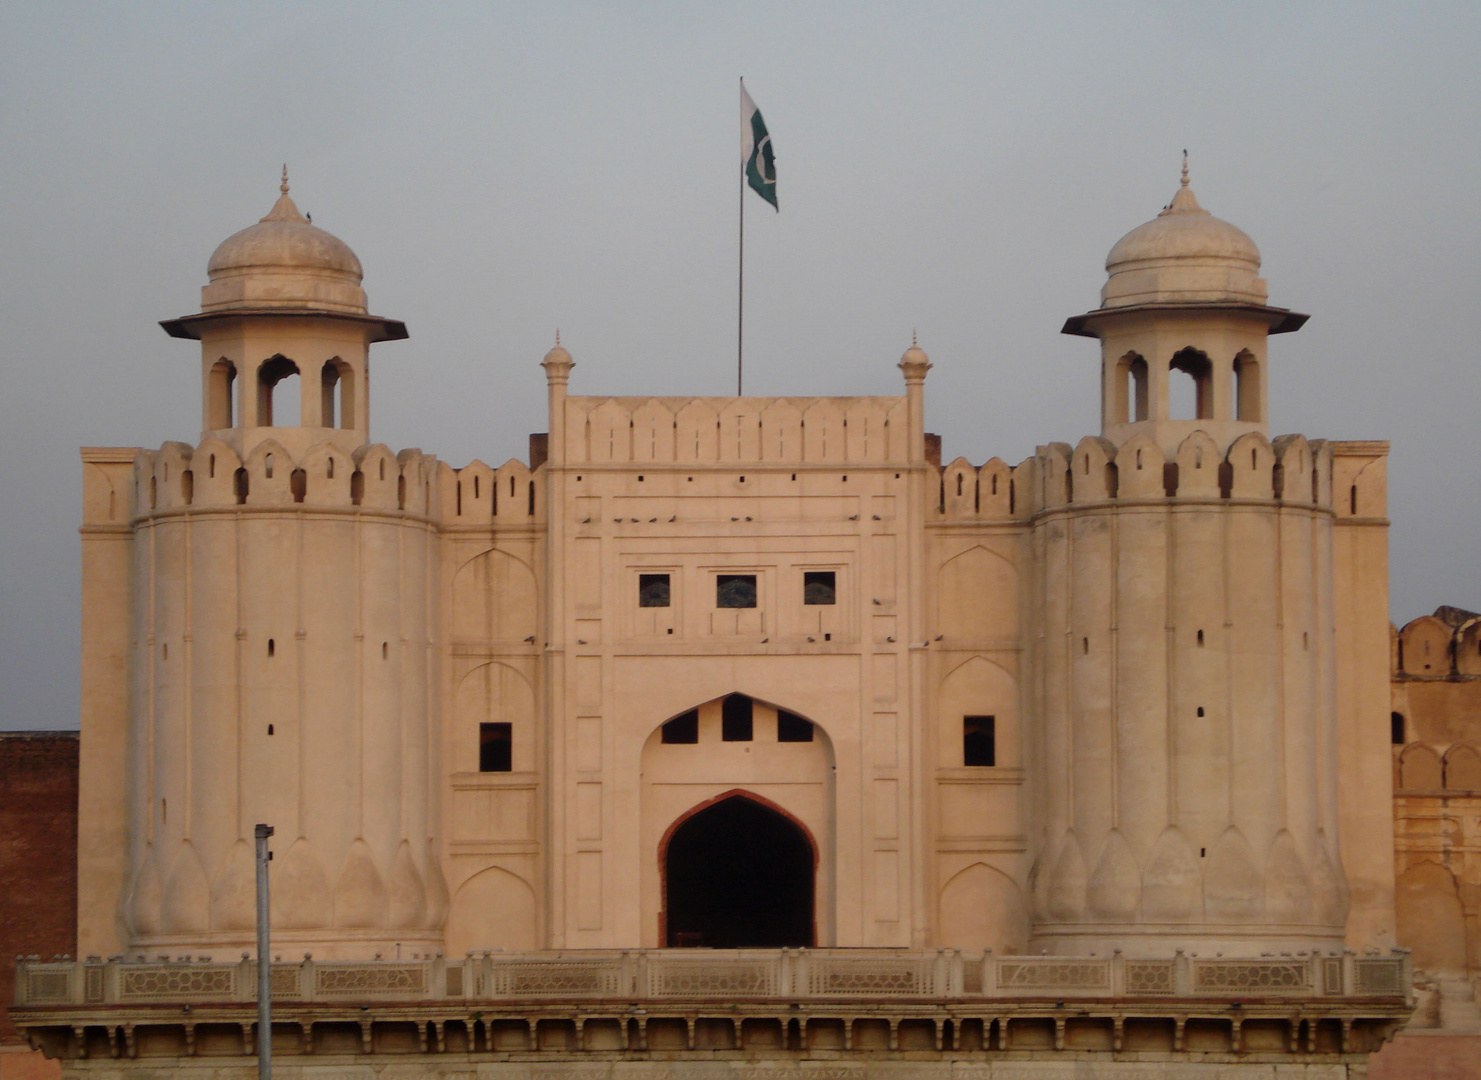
264	961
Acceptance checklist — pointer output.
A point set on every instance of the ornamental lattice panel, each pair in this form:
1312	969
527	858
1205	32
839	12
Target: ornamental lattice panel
1213	976
1150	977
46	987
689	978
574	978
369	980
1379	976
170	982
1055	975
873	977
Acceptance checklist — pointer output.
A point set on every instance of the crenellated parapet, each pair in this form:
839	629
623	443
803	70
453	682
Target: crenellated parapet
994	492
213	476
1291	471
479	496
1445	645
722	431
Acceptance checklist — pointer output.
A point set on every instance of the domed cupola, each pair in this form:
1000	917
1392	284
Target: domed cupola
1183	298
283	261
284	335
1183	255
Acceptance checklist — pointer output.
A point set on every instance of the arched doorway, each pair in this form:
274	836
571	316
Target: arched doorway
738	874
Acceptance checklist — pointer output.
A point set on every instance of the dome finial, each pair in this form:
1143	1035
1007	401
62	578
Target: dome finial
557	337
1184	201
283	187
913	345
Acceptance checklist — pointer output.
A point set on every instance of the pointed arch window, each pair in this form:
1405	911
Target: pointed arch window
278	403
1196	365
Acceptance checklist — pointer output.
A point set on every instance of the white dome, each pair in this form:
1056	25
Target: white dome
1183	255
283	261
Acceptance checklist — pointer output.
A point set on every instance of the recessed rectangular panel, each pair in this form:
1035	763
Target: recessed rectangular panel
886	809
588	680
589	743
589	890
586	572
885	753
884	678
887	886
589	811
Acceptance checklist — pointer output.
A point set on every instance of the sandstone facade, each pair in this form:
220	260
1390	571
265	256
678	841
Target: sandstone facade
1122	701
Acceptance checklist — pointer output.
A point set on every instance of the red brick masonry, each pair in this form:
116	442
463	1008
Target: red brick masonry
38	853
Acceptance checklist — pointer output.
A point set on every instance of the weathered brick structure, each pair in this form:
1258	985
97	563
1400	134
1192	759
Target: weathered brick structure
38	864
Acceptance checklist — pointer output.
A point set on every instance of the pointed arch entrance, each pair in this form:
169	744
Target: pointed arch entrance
738	872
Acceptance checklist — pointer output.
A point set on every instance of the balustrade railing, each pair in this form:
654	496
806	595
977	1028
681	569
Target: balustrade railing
799	975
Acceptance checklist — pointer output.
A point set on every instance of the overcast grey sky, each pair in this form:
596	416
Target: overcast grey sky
504	169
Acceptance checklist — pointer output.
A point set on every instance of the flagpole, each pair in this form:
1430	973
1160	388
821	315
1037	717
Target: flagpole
740	299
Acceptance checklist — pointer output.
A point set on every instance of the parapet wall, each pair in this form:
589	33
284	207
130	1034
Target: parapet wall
177	477
1290	470
701	431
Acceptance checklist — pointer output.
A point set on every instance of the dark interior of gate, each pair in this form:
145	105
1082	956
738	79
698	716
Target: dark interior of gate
739	874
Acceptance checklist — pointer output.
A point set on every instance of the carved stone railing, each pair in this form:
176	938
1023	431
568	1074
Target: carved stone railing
797	975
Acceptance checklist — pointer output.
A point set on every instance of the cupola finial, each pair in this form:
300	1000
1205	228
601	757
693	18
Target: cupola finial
1185	168
283	187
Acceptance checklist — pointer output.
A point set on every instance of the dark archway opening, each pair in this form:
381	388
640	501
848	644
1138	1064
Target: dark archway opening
738	875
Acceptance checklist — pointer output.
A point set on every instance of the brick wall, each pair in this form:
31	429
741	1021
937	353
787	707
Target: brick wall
38	853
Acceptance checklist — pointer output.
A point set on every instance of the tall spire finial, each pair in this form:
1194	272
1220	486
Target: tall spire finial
913	344
557	337
283	187
1185	168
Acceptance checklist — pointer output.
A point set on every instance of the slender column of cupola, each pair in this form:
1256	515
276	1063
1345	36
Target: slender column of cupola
1184	645
284	594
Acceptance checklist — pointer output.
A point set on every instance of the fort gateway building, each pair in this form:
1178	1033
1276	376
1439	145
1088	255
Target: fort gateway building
735	736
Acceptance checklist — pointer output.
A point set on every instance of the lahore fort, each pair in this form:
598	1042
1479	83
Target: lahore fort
749	738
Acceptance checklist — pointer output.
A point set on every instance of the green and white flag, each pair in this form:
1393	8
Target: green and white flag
757	159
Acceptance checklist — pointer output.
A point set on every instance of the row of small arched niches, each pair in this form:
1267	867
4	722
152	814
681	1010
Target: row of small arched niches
1430	647
1289	469
1419	767
177	476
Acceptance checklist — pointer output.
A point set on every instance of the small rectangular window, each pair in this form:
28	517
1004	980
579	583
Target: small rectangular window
653	590
735	590
494	748
818	587
792	728
683	728
978	740
1396	729
735	718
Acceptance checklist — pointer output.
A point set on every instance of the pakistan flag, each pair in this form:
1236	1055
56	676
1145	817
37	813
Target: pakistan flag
756	154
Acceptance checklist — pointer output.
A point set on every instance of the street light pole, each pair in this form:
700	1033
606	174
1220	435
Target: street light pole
264	962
